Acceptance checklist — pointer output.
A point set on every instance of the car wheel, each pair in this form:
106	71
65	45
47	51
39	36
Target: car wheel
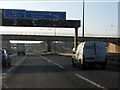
73	63
104	64
83	65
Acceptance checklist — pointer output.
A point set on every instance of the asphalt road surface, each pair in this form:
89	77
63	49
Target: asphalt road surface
53	71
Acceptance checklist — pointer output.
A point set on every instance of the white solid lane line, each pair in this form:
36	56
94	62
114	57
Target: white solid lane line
21	61
4	85
91	82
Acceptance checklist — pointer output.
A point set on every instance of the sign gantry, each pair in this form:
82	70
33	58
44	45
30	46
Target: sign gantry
23	18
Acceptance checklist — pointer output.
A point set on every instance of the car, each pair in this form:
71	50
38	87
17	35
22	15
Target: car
90	53
6	60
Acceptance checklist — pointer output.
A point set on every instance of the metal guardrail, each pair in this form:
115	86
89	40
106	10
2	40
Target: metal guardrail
60	34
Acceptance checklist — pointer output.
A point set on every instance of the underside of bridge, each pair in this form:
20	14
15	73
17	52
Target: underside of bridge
44	23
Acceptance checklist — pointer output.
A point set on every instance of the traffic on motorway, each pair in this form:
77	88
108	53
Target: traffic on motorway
5	58
49	70
52	63
90	52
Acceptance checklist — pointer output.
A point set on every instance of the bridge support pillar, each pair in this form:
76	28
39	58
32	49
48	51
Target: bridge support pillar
48	46
76	38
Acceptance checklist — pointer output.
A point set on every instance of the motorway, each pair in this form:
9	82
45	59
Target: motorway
55	71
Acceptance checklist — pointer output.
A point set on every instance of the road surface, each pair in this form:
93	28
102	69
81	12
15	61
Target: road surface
53	71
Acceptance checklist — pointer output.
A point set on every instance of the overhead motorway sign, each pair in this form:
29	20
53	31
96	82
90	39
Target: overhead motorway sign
18	13
46	15
41	23
13	13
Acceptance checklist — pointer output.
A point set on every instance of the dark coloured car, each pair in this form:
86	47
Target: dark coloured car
6	60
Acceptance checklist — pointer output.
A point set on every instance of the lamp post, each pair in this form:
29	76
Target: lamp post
83	21
55	41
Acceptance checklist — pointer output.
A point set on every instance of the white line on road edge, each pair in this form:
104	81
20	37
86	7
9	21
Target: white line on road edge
4	74
59	65
17	64
93	83
5	86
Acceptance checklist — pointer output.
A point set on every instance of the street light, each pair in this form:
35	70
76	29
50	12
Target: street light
55	41
83	20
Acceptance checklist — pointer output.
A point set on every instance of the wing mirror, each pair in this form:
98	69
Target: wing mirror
74	51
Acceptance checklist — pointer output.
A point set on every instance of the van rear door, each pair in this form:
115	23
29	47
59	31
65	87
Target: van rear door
94	51
100	51
89	51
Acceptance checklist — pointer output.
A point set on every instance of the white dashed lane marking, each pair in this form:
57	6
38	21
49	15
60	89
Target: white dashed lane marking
53	62
59	65
12	68
47	59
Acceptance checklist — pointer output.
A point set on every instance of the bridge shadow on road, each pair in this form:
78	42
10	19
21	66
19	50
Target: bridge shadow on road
55	69
109	68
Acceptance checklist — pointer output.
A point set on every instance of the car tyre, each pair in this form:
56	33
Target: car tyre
73	63
104	64
83	64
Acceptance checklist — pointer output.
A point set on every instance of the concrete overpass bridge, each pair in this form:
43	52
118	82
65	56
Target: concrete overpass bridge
50	39
6	37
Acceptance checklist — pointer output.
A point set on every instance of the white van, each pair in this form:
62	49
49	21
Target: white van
90	52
